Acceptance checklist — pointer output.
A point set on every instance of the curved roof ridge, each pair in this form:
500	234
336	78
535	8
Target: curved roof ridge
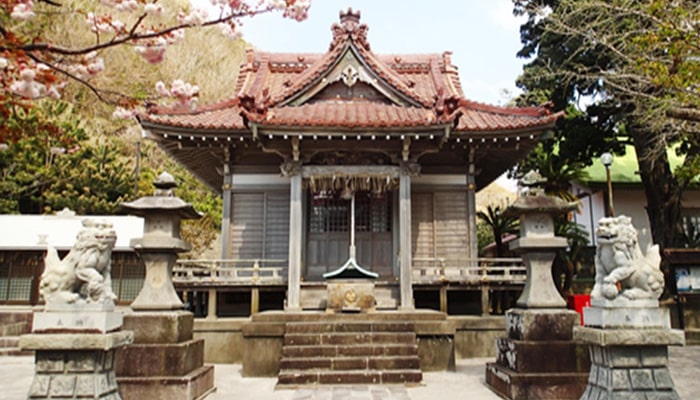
535	111
177	109
308	76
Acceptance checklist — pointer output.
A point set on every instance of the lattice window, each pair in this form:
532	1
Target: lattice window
331	213
16	280
128	273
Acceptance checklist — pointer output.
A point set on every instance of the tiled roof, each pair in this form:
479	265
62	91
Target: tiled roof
483	117
348	115
429	83
225	115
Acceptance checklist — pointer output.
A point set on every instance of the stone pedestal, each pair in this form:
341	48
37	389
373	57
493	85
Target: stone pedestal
164	362
75	365
350	295
628	349
538	359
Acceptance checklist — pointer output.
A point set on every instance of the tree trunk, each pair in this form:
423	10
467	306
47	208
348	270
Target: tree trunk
663	194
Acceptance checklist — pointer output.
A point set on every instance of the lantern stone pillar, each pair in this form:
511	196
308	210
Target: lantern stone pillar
165	362
538	357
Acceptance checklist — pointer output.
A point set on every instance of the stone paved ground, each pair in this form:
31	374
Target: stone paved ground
467	382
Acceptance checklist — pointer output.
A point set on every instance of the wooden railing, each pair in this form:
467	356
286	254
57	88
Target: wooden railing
425	270
251	271
504	270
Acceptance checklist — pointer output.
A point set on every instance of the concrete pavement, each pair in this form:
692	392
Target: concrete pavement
467	382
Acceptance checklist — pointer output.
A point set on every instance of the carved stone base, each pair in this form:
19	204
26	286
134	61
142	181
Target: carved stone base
73	366
538	359
513	385
629	363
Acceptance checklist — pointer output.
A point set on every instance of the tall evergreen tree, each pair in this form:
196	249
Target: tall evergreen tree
611	54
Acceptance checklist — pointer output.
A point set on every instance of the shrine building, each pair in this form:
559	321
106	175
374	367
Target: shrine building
346	158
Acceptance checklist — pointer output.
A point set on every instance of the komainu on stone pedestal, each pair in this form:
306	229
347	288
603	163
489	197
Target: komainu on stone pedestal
84	275
628	333
622	270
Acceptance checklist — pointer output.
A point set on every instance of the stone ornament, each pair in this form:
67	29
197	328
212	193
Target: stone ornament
622	270
84	275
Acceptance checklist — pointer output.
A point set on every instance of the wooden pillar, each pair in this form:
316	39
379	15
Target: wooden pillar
443	298
405	275
227	190
471	210
473	246
295	236
254	300
211	305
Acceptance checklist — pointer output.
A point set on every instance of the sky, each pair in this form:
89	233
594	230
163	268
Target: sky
483	36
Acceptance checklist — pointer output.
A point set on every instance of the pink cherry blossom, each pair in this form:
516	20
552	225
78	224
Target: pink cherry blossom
123	113
277	4
152	50
197	17
23	10
27	86
161	89
229	30
153	9
299	10
104	24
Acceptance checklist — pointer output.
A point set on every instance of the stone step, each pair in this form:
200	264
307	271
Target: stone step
15	351
14	328
8	317
349	326
692	336
350	363
9	346
351	350
313	377
338	338
9	341
379	316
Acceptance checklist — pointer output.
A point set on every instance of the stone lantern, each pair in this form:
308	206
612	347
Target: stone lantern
160	243
538	357
165	362
537	243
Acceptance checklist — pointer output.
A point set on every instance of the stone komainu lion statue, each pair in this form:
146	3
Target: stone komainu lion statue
621	268
84	275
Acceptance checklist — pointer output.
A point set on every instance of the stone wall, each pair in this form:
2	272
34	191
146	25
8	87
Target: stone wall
473	337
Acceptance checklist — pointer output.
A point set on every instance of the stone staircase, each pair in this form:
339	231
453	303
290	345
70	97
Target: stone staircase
349	352
12	325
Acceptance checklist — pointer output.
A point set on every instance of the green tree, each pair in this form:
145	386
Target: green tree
58	166
499	224
610	53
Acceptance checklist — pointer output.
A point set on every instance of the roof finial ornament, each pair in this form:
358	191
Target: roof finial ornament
350	17
349	29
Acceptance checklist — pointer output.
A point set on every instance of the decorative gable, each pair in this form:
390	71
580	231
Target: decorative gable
351	72
350	79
